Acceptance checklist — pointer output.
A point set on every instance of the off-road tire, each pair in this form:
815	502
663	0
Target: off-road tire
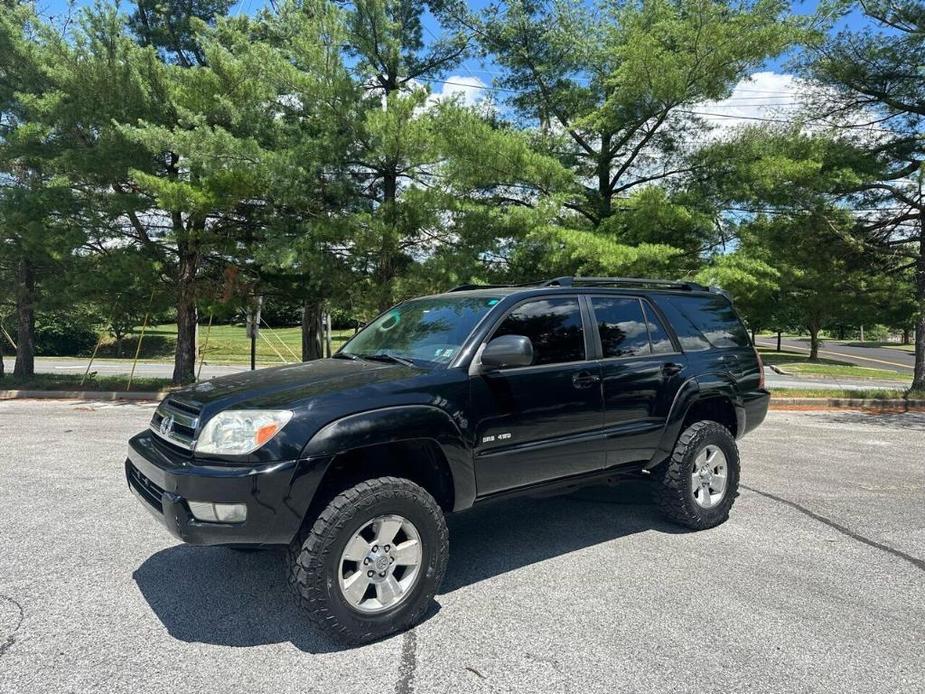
313	558
672	478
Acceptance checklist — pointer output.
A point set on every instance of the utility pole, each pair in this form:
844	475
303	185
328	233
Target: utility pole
253	327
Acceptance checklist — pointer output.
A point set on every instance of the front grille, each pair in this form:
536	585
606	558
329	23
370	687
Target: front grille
181	429
148	491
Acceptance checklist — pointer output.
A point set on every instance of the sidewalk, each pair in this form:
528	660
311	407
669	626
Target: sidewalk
776	381
122	367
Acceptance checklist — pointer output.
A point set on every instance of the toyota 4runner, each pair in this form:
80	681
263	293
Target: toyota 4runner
445	402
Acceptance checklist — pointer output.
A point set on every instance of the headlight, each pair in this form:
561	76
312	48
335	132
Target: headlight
238	432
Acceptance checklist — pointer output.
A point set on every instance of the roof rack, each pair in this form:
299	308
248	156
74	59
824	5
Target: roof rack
621	282
468	287
592	282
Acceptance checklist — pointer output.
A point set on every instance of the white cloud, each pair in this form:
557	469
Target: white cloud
467	89
762	95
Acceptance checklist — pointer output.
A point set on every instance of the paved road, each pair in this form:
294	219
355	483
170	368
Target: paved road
117	367
817	582
897	360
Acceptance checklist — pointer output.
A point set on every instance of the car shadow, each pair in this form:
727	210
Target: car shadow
505	536
218	596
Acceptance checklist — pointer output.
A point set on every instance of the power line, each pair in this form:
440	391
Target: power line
709	114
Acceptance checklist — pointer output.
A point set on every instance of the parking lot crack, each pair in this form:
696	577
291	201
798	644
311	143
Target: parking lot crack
915	561
10	638
408	664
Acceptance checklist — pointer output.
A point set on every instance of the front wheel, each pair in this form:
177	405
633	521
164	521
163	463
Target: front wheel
698	484
372	561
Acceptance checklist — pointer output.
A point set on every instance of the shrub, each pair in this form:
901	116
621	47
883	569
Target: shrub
72	334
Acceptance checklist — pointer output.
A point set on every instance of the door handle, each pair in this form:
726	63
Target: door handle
672	368
585	379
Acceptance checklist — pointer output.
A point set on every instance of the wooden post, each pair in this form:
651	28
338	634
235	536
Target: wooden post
92	357
141	337
205	346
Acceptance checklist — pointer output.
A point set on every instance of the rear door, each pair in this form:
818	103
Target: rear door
642	367
543	421
714	337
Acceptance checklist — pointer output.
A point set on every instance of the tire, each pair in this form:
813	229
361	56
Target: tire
317	565
676	494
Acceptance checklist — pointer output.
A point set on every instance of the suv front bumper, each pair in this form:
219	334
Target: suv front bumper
277	495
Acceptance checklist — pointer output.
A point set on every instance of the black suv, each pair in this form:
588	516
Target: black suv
444	402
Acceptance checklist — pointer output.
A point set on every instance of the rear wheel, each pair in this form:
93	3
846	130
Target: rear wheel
698	484
373	560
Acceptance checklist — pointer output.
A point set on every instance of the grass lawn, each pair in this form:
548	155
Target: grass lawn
72	382
798	363
222	344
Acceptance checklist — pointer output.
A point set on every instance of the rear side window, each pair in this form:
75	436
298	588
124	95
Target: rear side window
622	326
661	343
553	326
713	321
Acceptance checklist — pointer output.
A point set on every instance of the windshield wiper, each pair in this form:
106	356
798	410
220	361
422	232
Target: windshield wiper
345	355
382	356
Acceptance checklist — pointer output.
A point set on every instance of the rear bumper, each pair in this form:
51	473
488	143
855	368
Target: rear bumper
755	409
277	495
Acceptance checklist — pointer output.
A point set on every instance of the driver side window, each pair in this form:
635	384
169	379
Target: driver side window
553	326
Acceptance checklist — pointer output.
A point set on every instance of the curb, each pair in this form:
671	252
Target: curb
892	405
80	395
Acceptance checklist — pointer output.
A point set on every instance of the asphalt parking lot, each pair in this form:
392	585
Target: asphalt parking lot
817	582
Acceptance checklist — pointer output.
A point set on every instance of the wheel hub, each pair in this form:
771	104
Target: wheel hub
708	478
380	564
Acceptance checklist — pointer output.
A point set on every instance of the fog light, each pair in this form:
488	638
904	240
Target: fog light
218	513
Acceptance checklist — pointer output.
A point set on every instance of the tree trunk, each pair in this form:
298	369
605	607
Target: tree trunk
184	362
778	340
385	270
605	204
814	343
918	374
328	342
1	357
907	336
25	316
311	330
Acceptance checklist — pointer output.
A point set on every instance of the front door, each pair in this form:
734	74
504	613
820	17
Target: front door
642	369
542	421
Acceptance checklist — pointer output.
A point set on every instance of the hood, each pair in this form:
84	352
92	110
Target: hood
283	386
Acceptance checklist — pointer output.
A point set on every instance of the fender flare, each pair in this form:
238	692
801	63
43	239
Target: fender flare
400	423
692	391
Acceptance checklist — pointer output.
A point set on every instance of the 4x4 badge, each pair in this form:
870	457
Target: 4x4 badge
166	425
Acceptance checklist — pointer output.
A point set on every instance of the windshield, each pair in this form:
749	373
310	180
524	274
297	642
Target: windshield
421	330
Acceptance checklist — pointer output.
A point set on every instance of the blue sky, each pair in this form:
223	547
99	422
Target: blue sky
769	91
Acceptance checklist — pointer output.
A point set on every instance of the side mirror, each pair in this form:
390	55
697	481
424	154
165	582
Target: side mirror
508	351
